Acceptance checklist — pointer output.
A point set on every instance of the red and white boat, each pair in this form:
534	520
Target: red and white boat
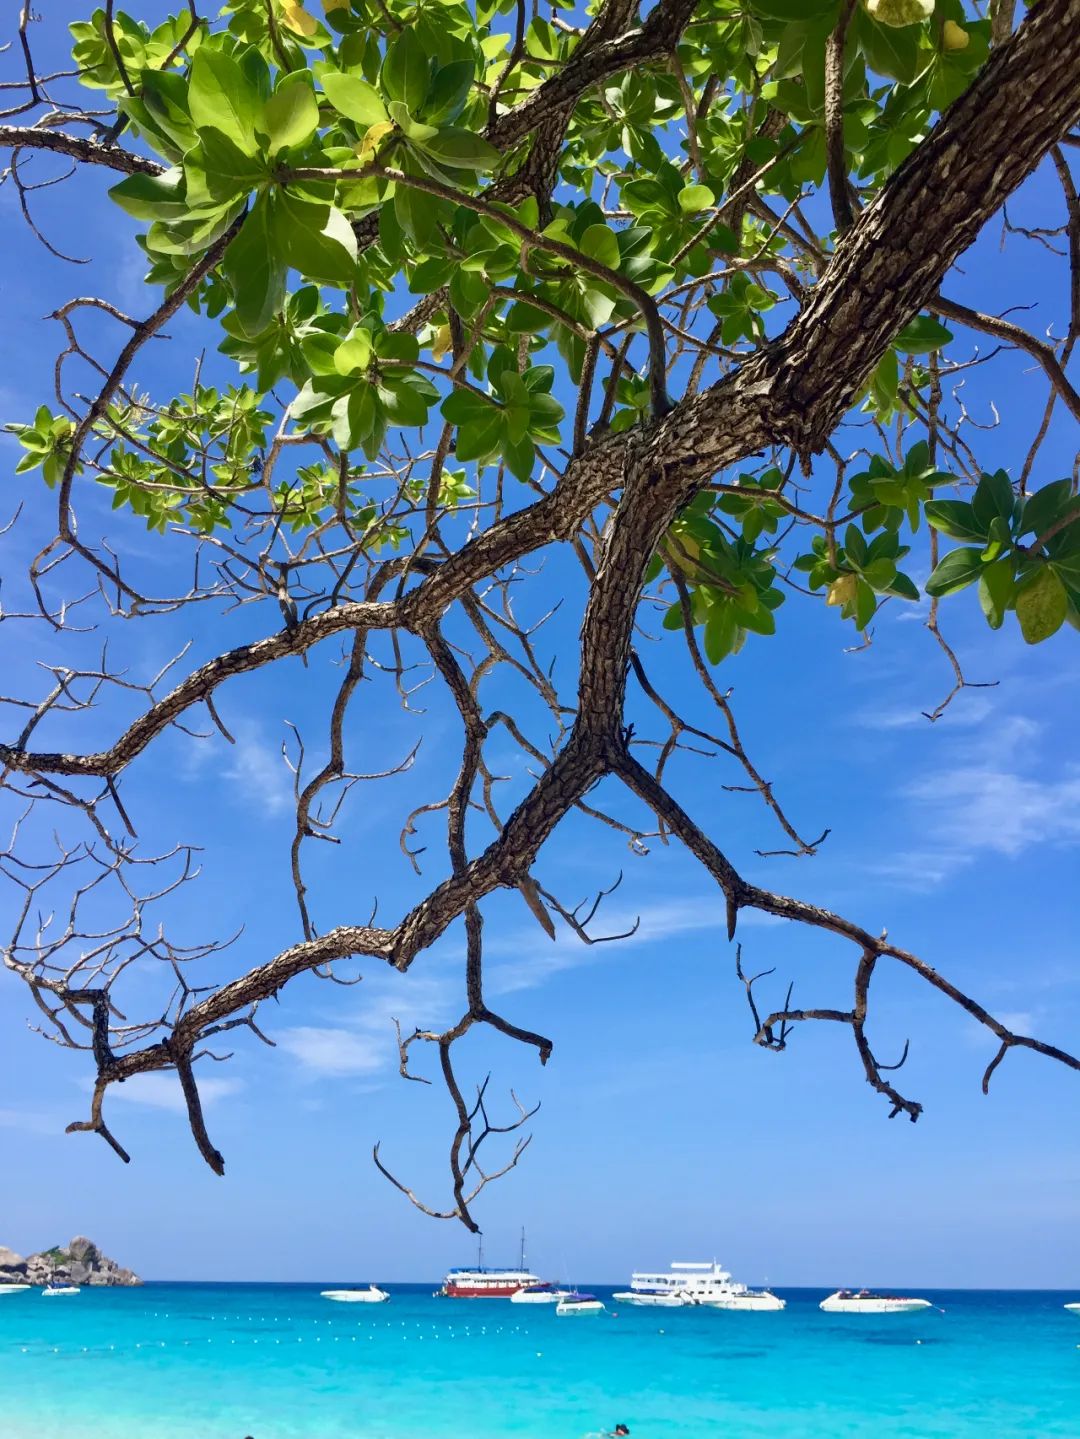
486	1283
481	1283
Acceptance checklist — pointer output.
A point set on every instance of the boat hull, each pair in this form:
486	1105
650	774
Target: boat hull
754	1303
874	1306
566	1310
488	1291
356	1296
14	1288
1073	1308
650	1301
57	1293
524	1297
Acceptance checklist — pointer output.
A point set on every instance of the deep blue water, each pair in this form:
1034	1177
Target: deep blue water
216	1361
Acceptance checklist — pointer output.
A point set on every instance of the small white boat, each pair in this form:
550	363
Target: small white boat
576	1303
866	1301
1073	1308
14	1288
370	1295
707	1285
540	1294
55	1291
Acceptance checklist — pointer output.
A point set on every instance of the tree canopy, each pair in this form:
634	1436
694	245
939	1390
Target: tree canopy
661	296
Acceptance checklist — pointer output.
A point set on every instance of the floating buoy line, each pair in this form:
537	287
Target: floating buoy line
418	1331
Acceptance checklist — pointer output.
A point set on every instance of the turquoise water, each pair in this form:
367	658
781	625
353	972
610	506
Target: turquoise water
188	1361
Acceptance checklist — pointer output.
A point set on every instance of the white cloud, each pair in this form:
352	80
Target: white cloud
363	1043
536	959
31	1121
160	1090
986	802
257	770
336	1051
967	710
991	808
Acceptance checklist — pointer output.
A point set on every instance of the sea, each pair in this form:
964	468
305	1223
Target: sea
276	1361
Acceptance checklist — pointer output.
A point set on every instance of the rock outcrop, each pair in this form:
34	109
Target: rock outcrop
82	1262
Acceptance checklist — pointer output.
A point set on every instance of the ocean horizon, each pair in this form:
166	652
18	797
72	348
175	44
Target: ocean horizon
221	1360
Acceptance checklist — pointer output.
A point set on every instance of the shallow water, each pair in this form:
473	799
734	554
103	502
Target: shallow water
187	1361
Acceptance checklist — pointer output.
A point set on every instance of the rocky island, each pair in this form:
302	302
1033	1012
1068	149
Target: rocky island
82	1262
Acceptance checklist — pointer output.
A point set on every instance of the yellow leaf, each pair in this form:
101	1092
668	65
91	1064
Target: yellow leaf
373	136
329	5
297	18
954	36
440	345
842	590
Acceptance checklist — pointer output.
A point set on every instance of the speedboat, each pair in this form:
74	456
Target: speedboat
540	1294
1073	1308
707	1285
370	1295
54	1291
865	1301
14	1288
578	1303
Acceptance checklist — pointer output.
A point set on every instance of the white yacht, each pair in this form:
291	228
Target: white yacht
13	1288
865	1301
707	1285
576	1303
540	1294
370	1295
1073	1308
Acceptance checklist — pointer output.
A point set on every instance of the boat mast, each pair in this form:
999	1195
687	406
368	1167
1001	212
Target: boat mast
522	1264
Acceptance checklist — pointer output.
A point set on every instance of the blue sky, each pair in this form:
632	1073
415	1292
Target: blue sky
664	1133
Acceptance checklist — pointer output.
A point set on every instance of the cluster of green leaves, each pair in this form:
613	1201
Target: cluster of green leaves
516	415
730	583
47	442
1038	578
279	128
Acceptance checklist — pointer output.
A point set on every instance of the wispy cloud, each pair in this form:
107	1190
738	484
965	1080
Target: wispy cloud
363	1044
989	800
972	710
32	1121
336	1052
162	1091
257	770
536	959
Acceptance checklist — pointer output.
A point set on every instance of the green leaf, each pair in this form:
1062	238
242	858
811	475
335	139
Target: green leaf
997	585
291	115
152	197
406	71
922	335
889	52
222	97
354	98
994	498
461	150
1041	509
721	631
957	570
354	352
317	240
955	518
229	172
695	198
449	92
1041	605
599	243
255	270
